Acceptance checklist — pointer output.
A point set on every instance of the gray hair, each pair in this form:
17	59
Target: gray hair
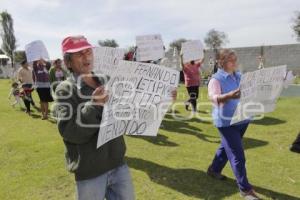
68	60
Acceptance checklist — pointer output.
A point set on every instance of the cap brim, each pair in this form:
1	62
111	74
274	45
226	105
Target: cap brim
79	49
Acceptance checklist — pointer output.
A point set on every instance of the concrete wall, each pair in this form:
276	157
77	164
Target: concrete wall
273	55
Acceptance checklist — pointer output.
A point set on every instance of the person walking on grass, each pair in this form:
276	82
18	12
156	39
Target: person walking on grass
99	173
223	90
24	76
42	84
192	79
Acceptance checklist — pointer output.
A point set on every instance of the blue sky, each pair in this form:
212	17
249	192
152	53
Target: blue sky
247	23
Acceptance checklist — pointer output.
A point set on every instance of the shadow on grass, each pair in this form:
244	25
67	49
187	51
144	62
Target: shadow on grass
174	127
183	127
195	183
250	143
35	116
267	121
160	140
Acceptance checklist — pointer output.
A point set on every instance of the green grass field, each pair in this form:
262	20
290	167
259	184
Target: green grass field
169	166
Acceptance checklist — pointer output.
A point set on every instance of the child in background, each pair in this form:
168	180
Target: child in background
15	91
26	96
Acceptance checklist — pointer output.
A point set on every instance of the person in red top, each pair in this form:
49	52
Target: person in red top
192	79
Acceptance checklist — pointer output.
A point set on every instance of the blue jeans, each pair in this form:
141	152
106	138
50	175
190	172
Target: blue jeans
116	184
231	149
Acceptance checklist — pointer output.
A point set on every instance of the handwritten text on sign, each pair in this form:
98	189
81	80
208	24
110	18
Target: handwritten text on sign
140	95
106	59
260	90
149	47
192	50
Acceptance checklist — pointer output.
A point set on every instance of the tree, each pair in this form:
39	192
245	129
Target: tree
19	56
177	43
108	43
296	26
7	35
215	40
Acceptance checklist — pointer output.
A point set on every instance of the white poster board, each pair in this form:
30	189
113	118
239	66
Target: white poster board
36	50
172	60
260	90
149	47
106	59
140	95
192	50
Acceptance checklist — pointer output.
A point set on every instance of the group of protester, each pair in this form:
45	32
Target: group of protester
102	172
40	77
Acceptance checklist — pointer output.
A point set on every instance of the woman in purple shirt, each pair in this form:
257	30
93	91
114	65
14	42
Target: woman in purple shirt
42	83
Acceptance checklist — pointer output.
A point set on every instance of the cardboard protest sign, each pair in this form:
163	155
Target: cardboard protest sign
149	47
36	50
106	59
172	60
260	90
192	50
140	94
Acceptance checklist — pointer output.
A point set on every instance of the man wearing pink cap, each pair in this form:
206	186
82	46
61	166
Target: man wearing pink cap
99	173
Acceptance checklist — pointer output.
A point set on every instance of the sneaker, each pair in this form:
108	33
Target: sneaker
215	175
250	195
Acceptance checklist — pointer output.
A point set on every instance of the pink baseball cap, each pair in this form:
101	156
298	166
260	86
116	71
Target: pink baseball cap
73	44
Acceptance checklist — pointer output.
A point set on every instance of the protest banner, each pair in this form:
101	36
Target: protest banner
260	90
36	50
106	59
192	50
149	47
140	94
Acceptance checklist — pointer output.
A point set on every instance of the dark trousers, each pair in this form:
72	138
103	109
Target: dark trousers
27	85
27	104
193	92
27	97
231	149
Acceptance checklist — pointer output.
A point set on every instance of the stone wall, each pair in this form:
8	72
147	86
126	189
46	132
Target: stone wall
273	56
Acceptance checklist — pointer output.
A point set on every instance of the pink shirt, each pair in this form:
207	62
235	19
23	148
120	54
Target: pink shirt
214	91
191	74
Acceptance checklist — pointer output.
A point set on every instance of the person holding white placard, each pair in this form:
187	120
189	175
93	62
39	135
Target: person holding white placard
223	90
42	84
192	79
99	172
